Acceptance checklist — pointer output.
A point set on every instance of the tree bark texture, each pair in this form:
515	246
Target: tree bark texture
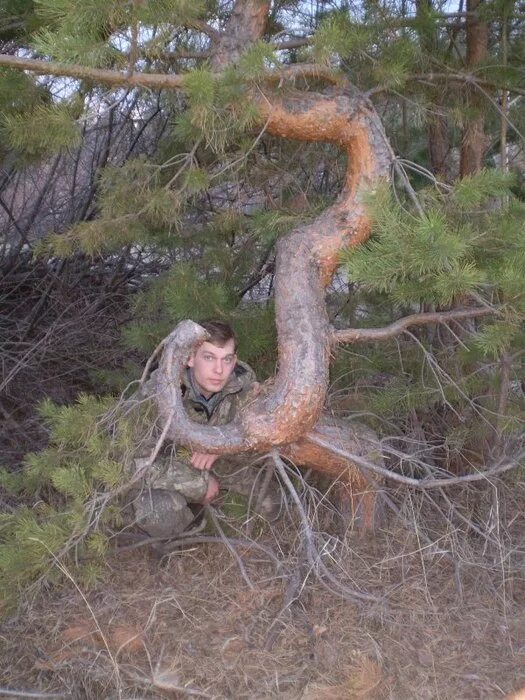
438	145
473	142
245	25
438	142
291	404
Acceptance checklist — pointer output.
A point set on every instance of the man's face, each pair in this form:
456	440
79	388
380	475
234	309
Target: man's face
212	366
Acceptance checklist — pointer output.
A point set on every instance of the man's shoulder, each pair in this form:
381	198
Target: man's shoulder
244	374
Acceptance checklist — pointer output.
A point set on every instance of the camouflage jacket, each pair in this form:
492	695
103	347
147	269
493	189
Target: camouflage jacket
171	470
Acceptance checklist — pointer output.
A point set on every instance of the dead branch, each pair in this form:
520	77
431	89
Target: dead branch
230	547
500	467
313	555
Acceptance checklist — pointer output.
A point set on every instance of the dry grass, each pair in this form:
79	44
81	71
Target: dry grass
190	623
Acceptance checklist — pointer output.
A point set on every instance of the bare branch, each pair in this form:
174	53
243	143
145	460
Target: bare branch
313	555
365	335
291	44
499	467
435	77
204	28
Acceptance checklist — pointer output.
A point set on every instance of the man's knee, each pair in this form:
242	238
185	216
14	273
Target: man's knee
161	513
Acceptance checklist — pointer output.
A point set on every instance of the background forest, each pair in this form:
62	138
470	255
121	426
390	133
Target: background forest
130	204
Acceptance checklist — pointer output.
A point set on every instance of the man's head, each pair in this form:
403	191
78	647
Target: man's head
214	360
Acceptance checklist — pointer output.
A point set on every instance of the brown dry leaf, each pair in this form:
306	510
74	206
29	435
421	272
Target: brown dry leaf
518	695
362	684
125	637
82	632
121	637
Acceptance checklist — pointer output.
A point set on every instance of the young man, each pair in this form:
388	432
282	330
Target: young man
214	388
215	385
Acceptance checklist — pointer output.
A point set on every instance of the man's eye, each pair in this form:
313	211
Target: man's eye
208	358
228	360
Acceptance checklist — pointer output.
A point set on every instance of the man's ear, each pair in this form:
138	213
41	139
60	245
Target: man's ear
191	360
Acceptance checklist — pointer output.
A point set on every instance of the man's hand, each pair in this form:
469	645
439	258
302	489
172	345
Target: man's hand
212	491
203	460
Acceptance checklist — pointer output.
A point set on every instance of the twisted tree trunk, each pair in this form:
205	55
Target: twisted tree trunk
292	402
290	405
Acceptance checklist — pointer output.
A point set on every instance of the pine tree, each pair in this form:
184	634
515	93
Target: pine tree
228	182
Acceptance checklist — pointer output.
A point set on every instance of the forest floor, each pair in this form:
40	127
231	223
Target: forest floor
449	622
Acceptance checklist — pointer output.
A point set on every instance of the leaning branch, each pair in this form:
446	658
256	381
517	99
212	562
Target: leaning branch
502	466
366	335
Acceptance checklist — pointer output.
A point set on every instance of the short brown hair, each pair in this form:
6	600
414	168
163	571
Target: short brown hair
220	332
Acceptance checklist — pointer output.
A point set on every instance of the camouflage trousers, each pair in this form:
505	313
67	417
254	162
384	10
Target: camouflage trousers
160	504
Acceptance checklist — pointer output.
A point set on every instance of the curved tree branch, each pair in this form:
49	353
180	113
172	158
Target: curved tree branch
366	335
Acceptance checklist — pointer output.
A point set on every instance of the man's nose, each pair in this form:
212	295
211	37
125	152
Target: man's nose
218	367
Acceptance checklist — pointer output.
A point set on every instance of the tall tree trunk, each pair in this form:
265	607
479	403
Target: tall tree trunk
245	25
438	145
438	142
473	142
